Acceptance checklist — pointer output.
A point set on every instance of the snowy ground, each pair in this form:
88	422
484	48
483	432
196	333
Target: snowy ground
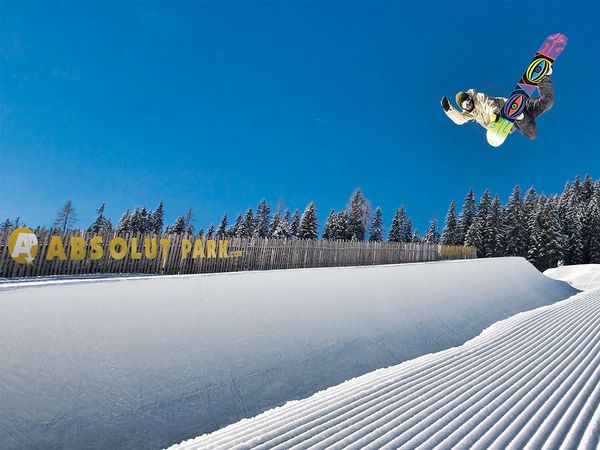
583	276
529	382
146	362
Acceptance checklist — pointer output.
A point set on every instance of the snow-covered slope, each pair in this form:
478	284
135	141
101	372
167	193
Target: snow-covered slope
582	276
529	382
138	363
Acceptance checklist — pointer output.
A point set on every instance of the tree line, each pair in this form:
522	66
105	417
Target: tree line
547	230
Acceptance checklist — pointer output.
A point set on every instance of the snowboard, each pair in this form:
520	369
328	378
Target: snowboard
536	71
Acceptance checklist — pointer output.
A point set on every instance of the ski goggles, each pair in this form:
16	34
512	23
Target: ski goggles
466	103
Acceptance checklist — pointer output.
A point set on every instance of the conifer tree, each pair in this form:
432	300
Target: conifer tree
587	189
342	231
357	215
308	223
6	226
210	233
263	219
236	229
123	226
432	235
179	227
376	229
248	224
466	217
282	231
450	236
398	232
492	231
222	230
514	225
157	219
408	233
416	238
66	217
275	223
295	224
593	223
101	224
329	230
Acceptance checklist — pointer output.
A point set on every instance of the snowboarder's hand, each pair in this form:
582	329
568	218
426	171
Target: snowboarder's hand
445	104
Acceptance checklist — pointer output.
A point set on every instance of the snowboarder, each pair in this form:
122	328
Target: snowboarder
484	109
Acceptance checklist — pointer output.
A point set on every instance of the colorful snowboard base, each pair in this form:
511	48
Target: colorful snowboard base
536	71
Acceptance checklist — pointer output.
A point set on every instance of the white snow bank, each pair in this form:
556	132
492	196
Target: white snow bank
581	276
137	363
529	382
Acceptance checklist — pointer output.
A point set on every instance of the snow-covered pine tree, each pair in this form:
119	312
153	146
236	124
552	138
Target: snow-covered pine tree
308	223
474	236
295	224
376	229
157	219
178	227
408	232
282	231
236	228
98	225
248	224
146	225
124	225
263	219
450	235
493	229
342	231
210	233
222	230
574	224
587	189
466	217
358	210
432	235
66	217
398	232
416	238
593	223
274	223
514	228
6	226
329	229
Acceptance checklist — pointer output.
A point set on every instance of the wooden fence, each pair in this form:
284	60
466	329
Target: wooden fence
77	253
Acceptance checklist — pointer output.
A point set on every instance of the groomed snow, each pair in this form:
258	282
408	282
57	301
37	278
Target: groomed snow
146	362
529	382
582	276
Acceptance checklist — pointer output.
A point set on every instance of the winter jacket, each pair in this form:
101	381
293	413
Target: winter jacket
484	112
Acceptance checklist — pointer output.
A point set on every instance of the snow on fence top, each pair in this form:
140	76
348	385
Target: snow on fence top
24	253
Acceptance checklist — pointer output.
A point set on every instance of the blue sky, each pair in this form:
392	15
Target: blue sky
214	106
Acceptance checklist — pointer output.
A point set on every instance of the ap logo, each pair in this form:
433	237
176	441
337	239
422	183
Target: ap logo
23	245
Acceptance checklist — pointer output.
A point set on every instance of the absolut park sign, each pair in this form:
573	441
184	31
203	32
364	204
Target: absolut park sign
24	246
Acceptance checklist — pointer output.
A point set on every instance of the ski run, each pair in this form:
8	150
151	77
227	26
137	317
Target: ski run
528	382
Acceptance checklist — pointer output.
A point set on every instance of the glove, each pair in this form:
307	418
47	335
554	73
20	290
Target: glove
445	104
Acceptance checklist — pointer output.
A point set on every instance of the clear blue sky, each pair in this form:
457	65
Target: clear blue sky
215	106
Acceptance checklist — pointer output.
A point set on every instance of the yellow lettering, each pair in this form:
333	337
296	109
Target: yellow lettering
150	248
135	254
211	248
56	249
186	248
77	248
164	246
198	249
96	250
112	248
223	248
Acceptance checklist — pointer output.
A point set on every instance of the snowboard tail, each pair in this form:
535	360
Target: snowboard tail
536	71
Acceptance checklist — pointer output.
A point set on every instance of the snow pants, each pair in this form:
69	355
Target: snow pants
536	107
